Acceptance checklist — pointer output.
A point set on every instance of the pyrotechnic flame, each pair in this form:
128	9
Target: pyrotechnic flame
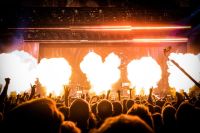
53	73
144	74
191	64
20	67
101	75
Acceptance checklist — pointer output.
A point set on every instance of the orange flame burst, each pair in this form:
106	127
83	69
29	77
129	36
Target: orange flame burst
101	75
144	74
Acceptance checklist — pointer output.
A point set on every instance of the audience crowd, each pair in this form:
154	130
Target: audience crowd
28	113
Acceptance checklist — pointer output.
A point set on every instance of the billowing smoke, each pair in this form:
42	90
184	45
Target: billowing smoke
190	63
20	67
53	73
144	74
101	75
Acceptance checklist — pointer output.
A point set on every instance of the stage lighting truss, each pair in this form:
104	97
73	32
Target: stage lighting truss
106	34
99	25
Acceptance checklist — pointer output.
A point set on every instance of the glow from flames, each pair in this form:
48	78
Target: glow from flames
20	67
144	74
190	63
101	75
53	73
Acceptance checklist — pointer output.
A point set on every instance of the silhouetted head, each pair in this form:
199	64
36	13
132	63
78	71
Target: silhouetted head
160	103
151	108
124	123
69	127
167	103
40	115
157	109
185	117
129	104
158	123
79	111
117	108
104	109
168	114
143	112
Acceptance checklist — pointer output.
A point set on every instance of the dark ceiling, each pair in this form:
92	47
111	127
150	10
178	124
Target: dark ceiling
103	3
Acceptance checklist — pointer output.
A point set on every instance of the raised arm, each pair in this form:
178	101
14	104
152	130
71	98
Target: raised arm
5	90
179	98
32	91
119	95
108	94
186	96
67	91
150	99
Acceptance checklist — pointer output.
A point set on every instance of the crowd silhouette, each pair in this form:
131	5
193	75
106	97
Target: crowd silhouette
28	113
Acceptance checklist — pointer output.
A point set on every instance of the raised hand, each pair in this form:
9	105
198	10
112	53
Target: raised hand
108	94
32	91
67	90
150	100
50	95
150	91
179	97
3	95
7	80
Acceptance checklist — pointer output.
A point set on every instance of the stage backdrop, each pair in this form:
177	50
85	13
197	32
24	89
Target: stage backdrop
74	54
